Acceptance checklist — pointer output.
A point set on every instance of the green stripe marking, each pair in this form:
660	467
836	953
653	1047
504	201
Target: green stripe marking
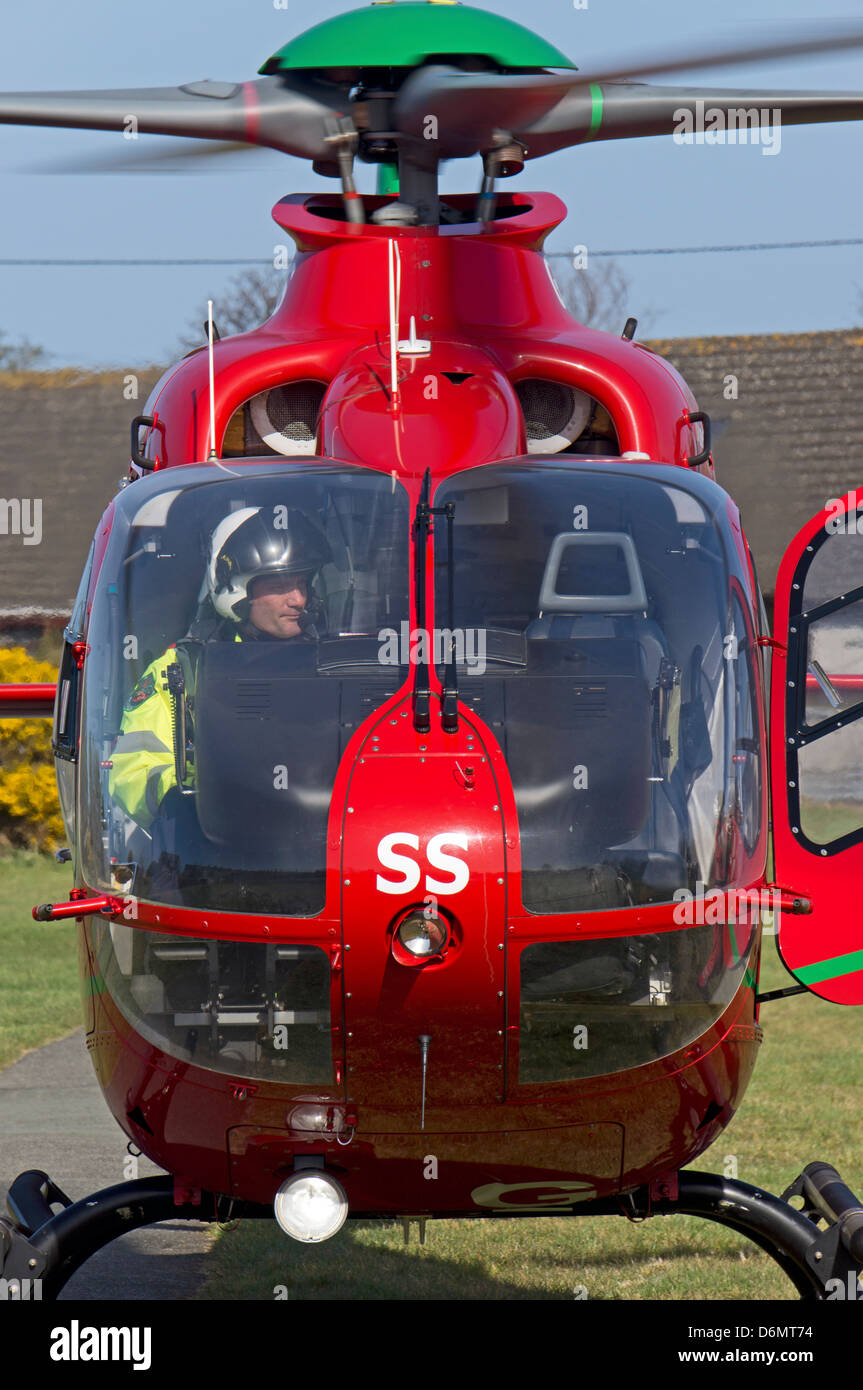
388	178
93	984
595	110
829	969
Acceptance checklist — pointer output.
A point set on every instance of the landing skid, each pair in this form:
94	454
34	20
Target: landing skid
37	1243
810	1254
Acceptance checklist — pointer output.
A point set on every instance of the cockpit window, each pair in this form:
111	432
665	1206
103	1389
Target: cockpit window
238	1008
612	659
233	652
588	1008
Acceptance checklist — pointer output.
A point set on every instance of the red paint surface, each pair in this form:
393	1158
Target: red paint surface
830	881
485	300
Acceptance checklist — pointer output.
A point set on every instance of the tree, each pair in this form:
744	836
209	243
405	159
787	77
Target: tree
599	297
22	356
246	302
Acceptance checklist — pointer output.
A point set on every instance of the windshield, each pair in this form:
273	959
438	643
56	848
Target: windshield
589	1008
233	652
241	1008
602	632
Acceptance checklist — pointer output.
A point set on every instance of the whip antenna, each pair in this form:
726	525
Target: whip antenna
211	340
395	287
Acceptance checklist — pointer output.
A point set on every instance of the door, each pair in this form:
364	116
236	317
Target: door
817	751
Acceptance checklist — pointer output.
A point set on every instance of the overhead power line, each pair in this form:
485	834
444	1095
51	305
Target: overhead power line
129	261
708	250
57	261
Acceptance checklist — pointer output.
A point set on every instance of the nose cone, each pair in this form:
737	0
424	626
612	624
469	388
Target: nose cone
455	410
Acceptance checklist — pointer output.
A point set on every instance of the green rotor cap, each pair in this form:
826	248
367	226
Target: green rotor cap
404	35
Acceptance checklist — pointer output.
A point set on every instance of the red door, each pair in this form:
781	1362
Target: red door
817	751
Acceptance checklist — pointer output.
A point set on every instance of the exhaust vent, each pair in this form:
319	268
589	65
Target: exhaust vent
554	414
285	419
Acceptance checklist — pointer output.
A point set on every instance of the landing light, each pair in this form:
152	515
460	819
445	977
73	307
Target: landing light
422	936
311	1206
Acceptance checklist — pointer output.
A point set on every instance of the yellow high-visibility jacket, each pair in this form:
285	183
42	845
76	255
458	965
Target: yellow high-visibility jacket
143	769
143	758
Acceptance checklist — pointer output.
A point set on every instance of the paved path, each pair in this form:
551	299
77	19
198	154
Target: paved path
53	1117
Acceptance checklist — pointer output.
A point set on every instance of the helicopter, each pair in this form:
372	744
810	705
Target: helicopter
447	901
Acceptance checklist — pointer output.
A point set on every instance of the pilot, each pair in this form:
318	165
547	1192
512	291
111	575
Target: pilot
259	588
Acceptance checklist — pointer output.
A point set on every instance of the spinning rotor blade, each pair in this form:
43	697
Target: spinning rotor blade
821	39
545	111
620	111
179	157
291	118
548	112
471	106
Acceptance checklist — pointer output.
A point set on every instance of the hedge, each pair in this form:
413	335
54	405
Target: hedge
29	808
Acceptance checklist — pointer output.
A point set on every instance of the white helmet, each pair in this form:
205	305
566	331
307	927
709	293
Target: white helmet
256	541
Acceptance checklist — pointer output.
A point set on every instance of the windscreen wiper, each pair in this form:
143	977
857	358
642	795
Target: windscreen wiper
422	694
450	680
421	526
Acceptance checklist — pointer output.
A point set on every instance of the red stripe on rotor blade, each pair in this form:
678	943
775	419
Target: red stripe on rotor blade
252	113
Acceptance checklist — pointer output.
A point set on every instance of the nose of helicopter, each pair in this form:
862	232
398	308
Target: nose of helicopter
358	423
424	921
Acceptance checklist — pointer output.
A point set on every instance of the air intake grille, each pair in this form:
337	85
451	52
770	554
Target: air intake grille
547	407
293	410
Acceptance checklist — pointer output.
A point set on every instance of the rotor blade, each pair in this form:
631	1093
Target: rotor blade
623	110
817	39
549	111
177	157
267	111
468	107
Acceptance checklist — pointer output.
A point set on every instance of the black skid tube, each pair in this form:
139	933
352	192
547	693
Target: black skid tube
38	1243
811	1257
826	1197
786	1234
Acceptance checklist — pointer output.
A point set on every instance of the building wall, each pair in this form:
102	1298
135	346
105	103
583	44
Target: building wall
793	437
787	414
64	441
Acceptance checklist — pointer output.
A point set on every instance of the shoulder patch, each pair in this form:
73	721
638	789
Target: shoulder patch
143	690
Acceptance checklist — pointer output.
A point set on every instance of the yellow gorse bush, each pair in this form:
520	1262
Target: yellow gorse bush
29	808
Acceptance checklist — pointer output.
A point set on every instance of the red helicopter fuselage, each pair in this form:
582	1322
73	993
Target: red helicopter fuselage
480	1122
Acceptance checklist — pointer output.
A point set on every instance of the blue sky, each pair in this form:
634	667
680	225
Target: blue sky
624	194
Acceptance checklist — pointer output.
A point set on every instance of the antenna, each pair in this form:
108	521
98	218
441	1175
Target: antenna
395	269
424	1041
212	454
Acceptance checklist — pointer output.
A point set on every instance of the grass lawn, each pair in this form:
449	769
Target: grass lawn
40	999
